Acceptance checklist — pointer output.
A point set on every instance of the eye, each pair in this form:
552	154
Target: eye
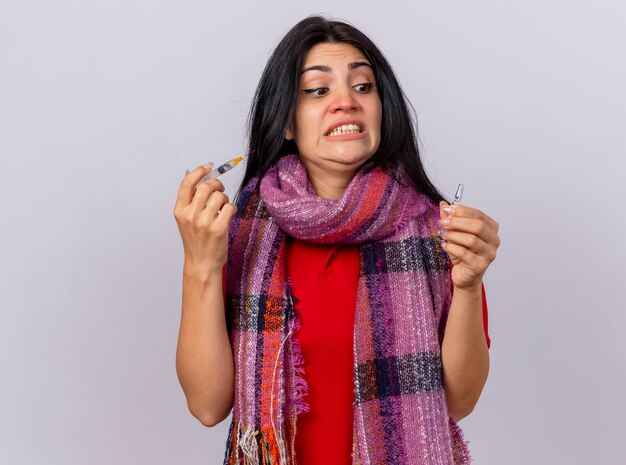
316	92
364	87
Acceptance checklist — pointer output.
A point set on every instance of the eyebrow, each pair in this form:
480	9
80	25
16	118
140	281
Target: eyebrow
328	69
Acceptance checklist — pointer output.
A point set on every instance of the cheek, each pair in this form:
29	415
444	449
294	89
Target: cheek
308	122
379	118
379	111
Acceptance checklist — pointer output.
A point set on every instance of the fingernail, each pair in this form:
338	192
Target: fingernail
208	166
442	232
449	210
187	172
444	221
444	243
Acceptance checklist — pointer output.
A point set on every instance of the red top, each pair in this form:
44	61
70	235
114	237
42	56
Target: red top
324	283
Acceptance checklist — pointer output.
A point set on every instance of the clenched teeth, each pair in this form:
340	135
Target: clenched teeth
345	129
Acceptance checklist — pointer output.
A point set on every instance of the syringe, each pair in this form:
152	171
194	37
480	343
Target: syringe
215	172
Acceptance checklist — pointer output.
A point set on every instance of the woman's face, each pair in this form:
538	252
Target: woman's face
338	110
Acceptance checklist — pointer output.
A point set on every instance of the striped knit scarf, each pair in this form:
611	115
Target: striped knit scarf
400	410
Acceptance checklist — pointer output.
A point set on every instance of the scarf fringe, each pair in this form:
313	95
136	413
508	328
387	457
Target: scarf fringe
460	447
256	447
250	447
300	386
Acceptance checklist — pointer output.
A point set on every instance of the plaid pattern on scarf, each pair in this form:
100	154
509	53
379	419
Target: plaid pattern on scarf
400	412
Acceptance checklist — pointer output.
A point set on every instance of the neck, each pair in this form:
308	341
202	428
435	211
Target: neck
329	184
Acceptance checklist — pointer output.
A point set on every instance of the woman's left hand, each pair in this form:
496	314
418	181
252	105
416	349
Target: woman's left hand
471	239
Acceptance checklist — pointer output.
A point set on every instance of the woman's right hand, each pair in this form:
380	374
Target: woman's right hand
203	216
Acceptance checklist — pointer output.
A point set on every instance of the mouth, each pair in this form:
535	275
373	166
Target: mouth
351	128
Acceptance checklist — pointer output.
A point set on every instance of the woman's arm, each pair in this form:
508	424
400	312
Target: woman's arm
464	353
204	360
471	239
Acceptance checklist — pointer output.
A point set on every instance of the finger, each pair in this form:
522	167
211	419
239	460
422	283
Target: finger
216	201
471	242
443	213
474	226
225	214
186	190
203	193
463	211
453	257
475	262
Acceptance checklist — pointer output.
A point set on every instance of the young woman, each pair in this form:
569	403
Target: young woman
338	308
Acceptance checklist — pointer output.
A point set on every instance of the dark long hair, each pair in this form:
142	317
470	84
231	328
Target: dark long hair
274	104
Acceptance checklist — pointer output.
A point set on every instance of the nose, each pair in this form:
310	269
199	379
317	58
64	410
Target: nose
345	100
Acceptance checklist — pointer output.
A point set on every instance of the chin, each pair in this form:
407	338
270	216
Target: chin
353	160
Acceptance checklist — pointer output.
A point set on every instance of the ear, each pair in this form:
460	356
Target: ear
288	134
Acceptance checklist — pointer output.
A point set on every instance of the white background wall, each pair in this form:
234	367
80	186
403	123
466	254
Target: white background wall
103	105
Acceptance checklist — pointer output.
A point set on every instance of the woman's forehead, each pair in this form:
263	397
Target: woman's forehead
325	53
